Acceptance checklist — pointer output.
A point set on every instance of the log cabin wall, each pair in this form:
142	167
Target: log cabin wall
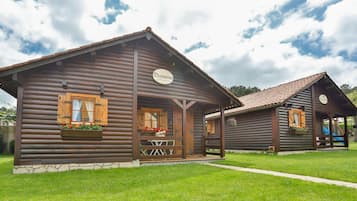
186	84
289	142
113	68
40	134
198	129
253	131
332	107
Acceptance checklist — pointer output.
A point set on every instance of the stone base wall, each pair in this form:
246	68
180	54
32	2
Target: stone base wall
30	169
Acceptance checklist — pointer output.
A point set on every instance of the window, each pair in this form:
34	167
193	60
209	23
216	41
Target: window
231	122
151	119
297	118
210	126
74	108
82	110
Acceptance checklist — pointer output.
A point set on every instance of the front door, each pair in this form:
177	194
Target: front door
177	127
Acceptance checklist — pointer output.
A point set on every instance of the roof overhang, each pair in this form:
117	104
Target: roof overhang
147	33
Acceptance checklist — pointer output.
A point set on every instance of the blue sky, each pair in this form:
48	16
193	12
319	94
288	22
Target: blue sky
255	43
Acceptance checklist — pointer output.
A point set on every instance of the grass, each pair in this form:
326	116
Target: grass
177	182
338	165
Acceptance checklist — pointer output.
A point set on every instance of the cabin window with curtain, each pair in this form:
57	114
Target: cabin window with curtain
74	108
211	127
152	118
83	110
297	118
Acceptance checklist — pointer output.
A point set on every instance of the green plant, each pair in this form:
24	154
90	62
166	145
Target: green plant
93	127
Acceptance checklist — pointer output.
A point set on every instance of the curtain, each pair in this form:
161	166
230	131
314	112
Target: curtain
76	110
89	109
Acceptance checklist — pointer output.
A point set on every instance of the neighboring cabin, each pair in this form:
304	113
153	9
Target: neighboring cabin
299	115
117	101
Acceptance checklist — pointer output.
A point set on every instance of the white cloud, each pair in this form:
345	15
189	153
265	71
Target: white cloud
218	24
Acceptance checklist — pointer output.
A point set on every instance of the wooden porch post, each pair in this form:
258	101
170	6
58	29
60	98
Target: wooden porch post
222	132
346	131
184	114
331	131
136	140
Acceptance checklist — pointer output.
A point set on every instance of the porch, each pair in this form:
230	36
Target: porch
332	131
172	130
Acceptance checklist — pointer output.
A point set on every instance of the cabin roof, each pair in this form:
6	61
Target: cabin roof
277	96
147	33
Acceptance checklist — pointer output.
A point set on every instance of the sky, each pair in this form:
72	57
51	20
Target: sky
252	43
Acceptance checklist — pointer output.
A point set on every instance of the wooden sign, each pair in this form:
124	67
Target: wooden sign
323	99
163	76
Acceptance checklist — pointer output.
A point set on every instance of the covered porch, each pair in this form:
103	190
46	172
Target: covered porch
332	131
173	130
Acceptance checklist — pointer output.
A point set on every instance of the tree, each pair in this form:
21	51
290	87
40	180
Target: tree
7	114
243	90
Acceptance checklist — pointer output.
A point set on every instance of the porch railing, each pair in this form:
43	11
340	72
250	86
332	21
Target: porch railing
154	147
211	145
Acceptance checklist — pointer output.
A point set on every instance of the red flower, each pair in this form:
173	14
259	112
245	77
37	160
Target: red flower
70	126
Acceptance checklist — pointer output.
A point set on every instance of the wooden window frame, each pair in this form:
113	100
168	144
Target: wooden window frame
65	108
153	110
83	98
212	124
302	118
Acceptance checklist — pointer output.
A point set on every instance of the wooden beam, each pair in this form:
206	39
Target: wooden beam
346	131
331	131
184	124
17	155
222	132
275	129
190	104
178	103
136	142
204	135
314	117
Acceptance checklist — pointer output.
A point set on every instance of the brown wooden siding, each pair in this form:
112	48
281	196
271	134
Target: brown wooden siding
333	107
41	141
252	132
296	142
185	85
198	130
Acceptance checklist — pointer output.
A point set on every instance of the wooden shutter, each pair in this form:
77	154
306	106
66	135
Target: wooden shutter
101	111
302	119
291	118
163	120
140	119
64	109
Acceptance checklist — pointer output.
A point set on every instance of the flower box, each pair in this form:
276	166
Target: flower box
298	131
80	134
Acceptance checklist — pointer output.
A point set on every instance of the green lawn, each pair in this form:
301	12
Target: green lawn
179	182
339	165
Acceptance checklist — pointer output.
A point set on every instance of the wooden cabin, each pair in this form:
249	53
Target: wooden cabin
113	103
304	114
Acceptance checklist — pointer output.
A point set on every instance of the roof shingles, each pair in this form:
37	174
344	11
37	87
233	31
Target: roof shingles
271	97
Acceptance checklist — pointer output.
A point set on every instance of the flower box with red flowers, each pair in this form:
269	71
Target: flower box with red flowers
158	132
82	131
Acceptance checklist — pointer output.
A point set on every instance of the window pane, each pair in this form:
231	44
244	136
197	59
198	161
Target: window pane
88	111
147	124
76	104
296	119
76	110
154	124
